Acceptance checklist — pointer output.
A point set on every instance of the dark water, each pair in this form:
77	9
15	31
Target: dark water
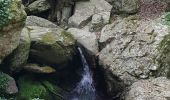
85	89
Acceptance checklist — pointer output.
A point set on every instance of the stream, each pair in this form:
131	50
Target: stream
85	89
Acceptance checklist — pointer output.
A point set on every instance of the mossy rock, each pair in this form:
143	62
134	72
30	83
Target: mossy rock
166	19
164	58
3	83
51	46
15	61
7	85
12	20
9	12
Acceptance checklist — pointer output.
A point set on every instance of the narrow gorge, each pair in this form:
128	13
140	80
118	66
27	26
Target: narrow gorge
84	49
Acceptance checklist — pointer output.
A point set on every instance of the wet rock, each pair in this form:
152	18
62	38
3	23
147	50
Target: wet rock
153	89
19	56
11	24
131	49
85	10
88	41
37	69
7	85
38	21
51	46
114	86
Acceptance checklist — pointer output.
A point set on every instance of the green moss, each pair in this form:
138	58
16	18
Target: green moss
54	90
11	11
164	58
3	82
29	89
67	37
48	38
166	18
4	12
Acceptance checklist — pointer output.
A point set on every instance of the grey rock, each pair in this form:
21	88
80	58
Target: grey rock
99	20
38	6
131	49
38	21
153	89
125	6
20	55
84	10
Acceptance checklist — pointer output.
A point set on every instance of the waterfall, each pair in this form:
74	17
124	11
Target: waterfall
85	88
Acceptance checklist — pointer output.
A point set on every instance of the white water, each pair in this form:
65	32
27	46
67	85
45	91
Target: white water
85	88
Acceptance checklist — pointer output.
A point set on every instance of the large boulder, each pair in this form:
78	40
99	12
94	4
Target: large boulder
135	49
84	10
52	46
12	21
16	60
153	89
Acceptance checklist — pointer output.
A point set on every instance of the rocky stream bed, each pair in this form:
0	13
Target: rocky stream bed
84	49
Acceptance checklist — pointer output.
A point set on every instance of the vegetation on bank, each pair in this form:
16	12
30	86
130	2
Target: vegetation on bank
4	12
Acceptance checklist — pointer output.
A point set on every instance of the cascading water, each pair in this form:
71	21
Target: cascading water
85	88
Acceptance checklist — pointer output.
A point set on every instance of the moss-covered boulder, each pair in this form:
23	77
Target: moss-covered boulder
31	88
19	56
12	17
7	85
51	46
